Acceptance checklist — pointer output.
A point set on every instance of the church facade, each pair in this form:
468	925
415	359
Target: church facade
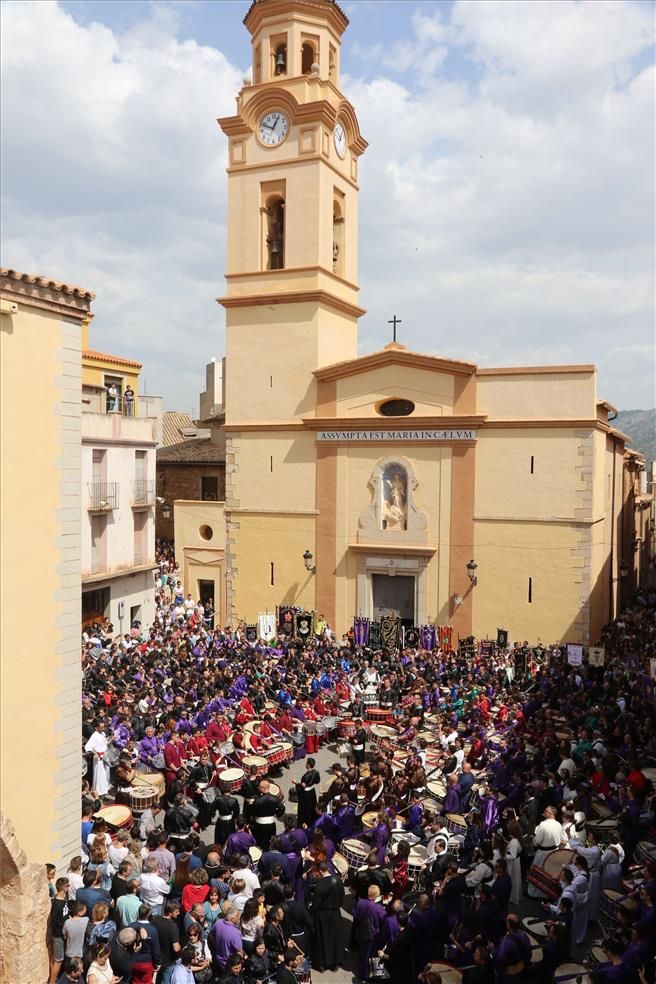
396	482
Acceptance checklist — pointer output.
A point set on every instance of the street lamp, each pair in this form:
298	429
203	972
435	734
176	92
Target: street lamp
471	570
307	560
166	511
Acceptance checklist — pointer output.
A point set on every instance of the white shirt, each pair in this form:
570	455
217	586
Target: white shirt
568	764
75	881
153	888
548	834
251	879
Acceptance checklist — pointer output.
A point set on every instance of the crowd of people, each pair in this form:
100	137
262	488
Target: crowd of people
461	788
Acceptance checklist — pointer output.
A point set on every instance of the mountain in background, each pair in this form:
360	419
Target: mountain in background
640	425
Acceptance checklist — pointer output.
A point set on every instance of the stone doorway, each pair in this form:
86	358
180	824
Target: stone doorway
394	595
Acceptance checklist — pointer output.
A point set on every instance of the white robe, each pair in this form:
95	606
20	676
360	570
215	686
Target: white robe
593	857
513	861
97	744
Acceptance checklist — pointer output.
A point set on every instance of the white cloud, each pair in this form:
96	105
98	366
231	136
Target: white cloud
114	178
506	196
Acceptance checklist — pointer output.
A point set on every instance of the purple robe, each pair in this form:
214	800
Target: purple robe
238	843
344	822
452	800
379	838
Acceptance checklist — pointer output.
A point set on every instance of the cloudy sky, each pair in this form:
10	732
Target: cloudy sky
507	195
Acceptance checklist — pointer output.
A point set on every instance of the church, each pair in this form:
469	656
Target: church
396	482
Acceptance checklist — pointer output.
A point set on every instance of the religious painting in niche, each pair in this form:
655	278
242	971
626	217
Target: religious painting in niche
394	506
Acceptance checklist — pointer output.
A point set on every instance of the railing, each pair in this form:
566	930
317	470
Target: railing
143	493
103	496
118	404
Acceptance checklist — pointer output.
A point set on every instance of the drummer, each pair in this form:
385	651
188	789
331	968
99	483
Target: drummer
359	741
202	777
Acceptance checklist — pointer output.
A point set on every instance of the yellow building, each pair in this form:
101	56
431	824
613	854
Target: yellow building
41	327
395	470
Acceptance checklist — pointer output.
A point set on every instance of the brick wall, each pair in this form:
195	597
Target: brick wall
183	482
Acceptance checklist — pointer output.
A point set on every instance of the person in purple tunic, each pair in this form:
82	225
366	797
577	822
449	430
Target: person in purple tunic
239	842
368	915
379	837
344	819
452	798
513	951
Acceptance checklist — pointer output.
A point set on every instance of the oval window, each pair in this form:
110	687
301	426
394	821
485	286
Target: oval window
396	408
206	532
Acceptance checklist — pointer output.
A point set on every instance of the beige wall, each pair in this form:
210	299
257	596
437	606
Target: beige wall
262	539
431	392
202	556
271	352
40	688
538	394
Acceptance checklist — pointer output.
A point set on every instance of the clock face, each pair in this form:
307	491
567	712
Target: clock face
273	128
339	137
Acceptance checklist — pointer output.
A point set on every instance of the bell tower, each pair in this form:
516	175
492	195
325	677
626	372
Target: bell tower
294	146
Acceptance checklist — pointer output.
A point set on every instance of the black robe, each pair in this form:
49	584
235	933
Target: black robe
226	806
307	798
401	958
328	943
268	806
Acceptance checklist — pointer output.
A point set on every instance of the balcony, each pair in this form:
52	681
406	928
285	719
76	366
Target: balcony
103	496
143	495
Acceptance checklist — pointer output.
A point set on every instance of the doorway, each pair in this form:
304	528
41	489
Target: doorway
394	596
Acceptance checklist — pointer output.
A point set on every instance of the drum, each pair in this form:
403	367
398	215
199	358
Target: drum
609	903
370	820
309	729
116	817
142	798
437	789
381	733
320	729
426	736
346	729
355	853
254	853
418	853
250	727
298	739
257	760
377	714
456	824
535	927
572	972
329	723
231	780
650	775
645	852
154	779
602	829
595	956
547	877
402	835
431	806
448	973
341	865
288	749
274	788
454	846
275	755
600	809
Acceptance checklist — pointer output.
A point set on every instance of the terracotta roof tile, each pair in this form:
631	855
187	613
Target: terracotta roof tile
34	278
104	357
199	450
173	423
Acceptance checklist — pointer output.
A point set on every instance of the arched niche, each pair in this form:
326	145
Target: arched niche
393	515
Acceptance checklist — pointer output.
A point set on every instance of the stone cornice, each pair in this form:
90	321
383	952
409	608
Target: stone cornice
294	297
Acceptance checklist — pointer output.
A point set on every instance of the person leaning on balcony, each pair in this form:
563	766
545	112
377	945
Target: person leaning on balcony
128	396
112	397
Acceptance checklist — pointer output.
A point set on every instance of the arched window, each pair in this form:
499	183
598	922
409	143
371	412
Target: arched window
338	237
275	237
308	57
394	497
